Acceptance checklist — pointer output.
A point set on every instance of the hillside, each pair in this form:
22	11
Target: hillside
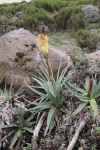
63	19
50	75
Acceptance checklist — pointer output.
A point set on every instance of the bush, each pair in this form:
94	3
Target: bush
13	8
50	6
3	20
85	2
66	15
96	2
86	39
16	21
33	16
76	21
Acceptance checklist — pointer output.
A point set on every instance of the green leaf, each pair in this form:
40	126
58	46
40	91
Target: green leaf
96	92
59	70
93	86
50	118
43	85
30	123
30	118
80	107
77	88
43	105
17	135
51	89
37	92
29	129
94	106
86	86
63	110
60	99
79	96
7	126
66	79
9	134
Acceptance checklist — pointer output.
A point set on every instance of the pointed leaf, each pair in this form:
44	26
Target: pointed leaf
9	134
86	86
63	110
80	107
17	135
37	92
94	106
29	129
50	118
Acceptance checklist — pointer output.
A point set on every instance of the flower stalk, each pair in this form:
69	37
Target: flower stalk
42	41
89	88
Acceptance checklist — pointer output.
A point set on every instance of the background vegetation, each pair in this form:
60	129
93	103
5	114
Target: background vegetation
66	21
66	14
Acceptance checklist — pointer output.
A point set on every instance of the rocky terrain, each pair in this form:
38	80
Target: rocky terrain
69	41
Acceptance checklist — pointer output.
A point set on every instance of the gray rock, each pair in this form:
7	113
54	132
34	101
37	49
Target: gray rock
51	41
35	33
94	62
65	42
17	71
93	31
98	45
91	13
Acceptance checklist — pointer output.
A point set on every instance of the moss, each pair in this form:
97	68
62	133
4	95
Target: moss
23	62
26	45
16	59
20	54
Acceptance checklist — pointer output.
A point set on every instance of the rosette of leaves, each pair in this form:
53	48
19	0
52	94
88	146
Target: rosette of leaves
51	94
5	95
20	126
89	94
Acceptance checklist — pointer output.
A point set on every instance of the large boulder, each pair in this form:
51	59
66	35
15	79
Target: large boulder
91	13
19	55
94	62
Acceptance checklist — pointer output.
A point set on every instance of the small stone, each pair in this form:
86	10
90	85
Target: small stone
65	42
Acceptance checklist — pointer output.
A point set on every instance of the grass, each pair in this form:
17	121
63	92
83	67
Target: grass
61	35
75	56
93	26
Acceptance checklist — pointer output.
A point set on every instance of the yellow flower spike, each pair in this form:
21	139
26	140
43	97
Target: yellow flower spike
42	42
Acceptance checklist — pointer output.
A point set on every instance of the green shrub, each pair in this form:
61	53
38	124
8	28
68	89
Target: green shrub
16	21
3	20
65	16
12	8
76	21
10	28
50	6
33	16
86	39
96	2
85	2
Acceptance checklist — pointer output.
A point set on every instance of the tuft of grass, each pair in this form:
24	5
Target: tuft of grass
92	26
75	56
61	35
